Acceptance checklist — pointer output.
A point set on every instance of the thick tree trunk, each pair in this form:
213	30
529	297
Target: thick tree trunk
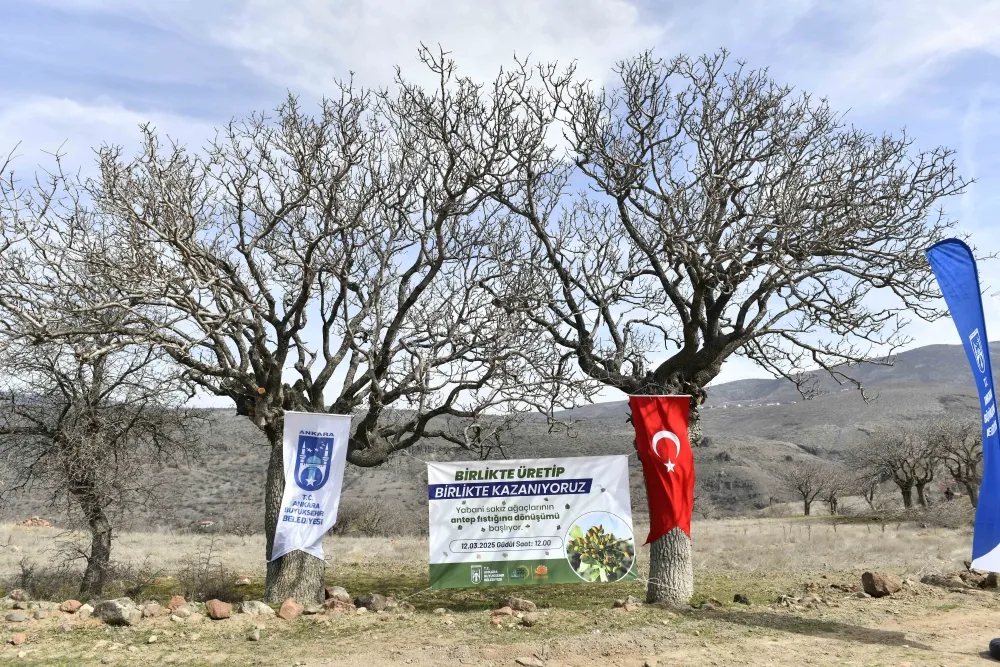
297	574
972	487
671	574
806	506
99	561
907	492
921	496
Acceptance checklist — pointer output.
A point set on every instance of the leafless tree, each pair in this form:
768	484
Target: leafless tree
808	479
327	263
959	444
838	482
720	213
91	431
903	455
485	435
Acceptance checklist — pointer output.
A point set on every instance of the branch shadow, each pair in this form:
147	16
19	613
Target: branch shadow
815	627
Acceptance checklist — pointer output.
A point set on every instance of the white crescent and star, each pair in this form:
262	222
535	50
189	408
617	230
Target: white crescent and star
672	437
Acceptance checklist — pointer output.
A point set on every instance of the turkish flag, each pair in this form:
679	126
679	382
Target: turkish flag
661	436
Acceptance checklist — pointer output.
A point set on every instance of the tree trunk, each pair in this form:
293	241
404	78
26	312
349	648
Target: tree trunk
907	492
671	575
921	496
972	487
806	506
297	574
99	560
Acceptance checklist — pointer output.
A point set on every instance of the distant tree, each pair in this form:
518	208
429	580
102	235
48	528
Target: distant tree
808	479
959	444
838	483
903	455
702	210
91	432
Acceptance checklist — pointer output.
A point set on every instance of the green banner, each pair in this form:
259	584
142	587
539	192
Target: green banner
527	522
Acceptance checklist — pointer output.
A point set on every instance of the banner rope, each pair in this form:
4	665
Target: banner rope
415	594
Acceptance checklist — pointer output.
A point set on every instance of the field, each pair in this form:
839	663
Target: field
760	558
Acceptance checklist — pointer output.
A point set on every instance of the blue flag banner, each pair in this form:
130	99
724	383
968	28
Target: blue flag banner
955	268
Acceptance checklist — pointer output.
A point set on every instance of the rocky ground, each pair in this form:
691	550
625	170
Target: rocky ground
804	581
829	620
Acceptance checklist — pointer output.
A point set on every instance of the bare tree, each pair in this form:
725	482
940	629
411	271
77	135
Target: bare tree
724	214
808	479
903	455
959	444
328	263
837	483
92	431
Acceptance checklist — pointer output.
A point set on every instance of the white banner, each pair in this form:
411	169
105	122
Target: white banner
532	521
315	448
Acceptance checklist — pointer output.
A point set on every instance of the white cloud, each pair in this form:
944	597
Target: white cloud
891	46
309	44
47	124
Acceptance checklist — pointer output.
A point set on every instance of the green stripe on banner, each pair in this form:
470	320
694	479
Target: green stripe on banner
508	573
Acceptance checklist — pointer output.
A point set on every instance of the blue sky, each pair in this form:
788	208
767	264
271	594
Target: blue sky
81	72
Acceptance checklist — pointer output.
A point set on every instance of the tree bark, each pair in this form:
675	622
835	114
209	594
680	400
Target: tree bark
907	492
806	506
972	488
99	560
671	574
297	574
921	496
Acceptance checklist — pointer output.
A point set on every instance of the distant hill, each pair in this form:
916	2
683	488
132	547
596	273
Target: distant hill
751	428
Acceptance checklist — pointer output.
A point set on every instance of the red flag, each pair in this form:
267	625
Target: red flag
661	435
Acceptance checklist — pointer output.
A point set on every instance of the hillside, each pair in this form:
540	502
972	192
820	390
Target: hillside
751	426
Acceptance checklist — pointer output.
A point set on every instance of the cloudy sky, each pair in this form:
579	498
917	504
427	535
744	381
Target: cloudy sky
81	72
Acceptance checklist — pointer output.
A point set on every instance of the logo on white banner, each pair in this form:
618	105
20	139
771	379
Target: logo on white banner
312	464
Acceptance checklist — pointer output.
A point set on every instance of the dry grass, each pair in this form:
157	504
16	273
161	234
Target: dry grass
751	546
761	558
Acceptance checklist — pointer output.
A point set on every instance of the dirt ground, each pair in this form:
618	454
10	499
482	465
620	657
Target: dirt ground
821	623
920	628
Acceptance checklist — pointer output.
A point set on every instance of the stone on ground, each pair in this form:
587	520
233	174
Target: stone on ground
218	610
16	617
289	610
256	608
176	602
372	602
880	584
18	638
85	612
153	610
337	593
517	604
530	619
70	606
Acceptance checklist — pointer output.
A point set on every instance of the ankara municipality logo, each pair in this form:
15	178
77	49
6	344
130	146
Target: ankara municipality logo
312	461
477	574
977	349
